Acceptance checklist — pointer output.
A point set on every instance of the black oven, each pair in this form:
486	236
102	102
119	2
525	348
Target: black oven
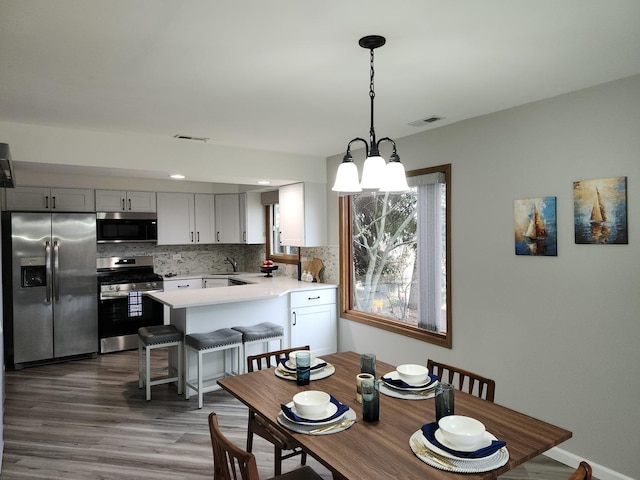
124	305
116	227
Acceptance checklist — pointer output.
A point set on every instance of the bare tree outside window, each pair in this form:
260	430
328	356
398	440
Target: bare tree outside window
394	252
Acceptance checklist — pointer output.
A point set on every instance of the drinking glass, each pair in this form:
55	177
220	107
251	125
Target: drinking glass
368	363
303	368
370	400
359	379
444	400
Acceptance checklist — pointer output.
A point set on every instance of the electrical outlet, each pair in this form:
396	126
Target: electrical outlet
177	256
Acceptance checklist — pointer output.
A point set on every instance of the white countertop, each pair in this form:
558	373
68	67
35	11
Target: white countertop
260	287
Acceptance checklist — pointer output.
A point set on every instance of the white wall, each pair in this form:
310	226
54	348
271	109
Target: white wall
559	334
204	162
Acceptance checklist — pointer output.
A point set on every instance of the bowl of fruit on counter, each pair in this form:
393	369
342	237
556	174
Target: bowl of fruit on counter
267	267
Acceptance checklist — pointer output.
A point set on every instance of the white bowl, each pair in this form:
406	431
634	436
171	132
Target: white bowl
461	431
413	374
311	403
292	356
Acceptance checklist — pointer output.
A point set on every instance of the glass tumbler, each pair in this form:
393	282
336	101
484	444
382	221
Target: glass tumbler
370	400
444	400
368	363
303	368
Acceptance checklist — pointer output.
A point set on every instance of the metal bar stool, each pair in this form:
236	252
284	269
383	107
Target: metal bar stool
264	332
150	338
204	343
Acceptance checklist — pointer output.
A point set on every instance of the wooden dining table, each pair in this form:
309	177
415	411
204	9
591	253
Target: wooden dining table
381	450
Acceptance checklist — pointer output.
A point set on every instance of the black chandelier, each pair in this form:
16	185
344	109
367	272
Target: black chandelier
376	173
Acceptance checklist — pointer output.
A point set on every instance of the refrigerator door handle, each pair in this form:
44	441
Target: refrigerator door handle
56	275
47	263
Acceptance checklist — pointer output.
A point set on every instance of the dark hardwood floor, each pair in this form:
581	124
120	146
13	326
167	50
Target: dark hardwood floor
87	419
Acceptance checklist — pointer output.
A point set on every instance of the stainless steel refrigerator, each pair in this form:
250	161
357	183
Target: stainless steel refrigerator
49	286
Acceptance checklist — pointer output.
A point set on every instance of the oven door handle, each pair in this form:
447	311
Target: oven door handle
119	295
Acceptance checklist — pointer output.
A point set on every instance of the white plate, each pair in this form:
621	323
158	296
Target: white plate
306	429
330	411
396	376
487	437
292	366
406	394
318	374
485	442
460	465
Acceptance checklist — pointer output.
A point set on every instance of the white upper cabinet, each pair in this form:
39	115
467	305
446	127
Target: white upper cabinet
186	218
176	218
124	201
303	214
205	226
252	221
39	199
227	218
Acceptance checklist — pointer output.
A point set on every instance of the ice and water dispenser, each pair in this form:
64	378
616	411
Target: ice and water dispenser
33	272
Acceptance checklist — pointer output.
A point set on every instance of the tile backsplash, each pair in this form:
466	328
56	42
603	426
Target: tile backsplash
190	259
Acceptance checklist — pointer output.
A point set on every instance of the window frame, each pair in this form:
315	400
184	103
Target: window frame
346	266
292	259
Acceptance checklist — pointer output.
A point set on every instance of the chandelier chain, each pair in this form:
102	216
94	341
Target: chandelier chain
372	95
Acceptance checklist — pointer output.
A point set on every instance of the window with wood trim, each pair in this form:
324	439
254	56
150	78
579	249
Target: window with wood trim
395	257
274	250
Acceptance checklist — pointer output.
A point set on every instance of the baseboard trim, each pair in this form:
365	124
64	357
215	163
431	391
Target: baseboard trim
572	460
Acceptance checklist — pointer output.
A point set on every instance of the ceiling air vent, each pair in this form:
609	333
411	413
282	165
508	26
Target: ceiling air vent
189	137
426	121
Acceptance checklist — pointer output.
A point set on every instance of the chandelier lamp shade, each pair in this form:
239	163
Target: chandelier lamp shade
376	173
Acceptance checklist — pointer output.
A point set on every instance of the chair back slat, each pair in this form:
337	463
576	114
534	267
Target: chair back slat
229	461
464	380
269	359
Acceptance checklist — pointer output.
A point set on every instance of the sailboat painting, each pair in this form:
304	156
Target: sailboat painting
600	211
535	226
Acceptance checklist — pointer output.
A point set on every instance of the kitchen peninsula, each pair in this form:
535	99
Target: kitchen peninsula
307	311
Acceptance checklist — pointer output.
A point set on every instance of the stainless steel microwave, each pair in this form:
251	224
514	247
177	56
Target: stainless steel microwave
121	227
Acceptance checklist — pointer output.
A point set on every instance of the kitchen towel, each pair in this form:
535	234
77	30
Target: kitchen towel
135	304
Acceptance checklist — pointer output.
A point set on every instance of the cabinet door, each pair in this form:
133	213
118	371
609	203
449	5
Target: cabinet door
141	202
73	200
28	199
176	219
186	284
205	218
110	200
227	218
291	200
316	327
252	218
214	282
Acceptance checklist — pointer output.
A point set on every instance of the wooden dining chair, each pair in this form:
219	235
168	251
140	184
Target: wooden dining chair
583	472
464	380
229	461
257	425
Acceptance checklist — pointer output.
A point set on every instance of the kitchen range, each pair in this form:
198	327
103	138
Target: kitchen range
124	305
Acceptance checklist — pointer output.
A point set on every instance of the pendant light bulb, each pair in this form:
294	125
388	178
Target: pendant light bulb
347	178
395	178
373	172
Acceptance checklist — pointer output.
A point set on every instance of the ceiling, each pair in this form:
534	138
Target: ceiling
288	75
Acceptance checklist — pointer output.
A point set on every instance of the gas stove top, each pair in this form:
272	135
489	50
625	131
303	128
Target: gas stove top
127	274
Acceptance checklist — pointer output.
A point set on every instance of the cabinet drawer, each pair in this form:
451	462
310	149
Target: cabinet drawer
313	297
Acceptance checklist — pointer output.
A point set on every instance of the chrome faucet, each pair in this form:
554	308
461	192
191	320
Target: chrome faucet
233	263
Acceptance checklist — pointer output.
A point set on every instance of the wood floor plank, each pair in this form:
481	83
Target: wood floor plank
88	419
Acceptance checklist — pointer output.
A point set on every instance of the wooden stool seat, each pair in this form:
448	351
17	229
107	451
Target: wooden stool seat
202	344
150	338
